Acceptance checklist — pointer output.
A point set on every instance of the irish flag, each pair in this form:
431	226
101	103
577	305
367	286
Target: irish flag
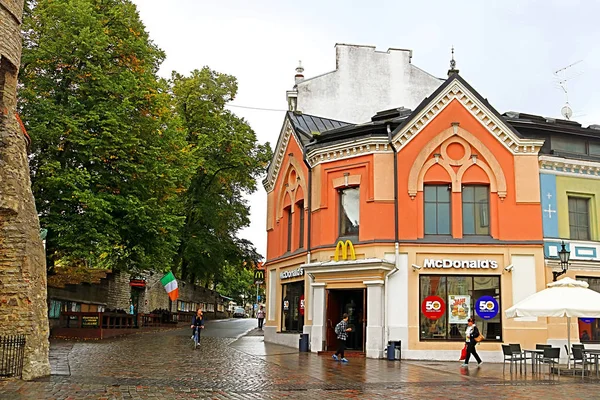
170	284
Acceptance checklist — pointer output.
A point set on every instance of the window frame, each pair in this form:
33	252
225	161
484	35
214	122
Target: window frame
425	202
301	223
473	313
290	232
298	288
474	203
596	321
341	215
587	199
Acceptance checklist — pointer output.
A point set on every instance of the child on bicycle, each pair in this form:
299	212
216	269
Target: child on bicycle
197	321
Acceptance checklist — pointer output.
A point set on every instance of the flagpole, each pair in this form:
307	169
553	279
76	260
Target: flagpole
256	311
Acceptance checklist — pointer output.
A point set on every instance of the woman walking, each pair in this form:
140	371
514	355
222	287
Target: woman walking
470	334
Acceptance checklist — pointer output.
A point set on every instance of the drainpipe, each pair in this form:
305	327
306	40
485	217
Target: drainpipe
308	217
396	243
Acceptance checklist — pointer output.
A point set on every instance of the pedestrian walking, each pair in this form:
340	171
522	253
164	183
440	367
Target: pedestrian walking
471	333
261	317
341	330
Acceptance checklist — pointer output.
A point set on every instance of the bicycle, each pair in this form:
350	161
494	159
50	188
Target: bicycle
196	337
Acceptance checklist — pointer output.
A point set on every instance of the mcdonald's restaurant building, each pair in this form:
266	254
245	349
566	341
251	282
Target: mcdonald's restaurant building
411	224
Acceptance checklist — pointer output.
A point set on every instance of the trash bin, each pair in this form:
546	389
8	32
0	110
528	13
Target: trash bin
303	343
393	350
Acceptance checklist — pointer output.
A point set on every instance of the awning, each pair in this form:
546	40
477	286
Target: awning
137	283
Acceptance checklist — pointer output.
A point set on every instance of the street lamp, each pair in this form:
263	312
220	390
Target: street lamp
564	255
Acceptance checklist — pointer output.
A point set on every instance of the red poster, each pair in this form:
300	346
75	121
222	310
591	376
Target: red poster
433	307
301	305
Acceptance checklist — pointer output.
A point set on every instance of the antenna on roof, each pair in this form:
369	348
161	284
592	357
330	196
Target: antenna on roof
561	76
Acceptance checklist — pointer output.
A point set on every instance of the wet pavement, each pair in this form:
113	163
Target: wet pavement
162	365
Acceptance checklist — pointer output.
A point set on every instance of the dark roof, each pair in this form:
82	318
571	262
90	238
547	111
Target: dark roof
305	125
443	87
529	123
377	127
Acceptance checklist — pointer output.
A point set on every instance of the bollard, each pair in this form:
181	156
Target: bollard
303	343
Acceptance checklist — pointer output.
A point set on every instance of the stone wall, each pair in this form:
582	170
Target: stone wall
114	292
23	308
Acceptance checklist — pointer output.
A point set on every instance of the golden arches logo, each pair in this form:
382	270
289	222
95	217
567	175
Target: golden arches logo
343	248
259	276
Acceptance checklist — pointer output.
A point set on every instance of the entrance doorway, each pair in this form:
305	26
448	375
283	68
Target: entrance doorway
353	303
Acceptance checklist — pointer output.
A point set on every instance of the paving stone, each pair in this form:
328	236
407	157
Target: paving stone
163	365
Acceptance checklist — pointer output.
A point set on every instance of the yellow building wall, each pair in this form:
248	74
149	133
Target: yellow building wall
581	187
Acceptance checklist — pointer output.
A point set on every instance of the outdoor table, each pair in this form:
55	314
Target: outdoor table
535	357
594	353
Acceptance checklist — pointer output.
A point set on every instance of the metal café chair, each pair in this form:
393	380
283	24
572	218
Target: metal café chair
515	348
538	356
579	358
511	358
551	357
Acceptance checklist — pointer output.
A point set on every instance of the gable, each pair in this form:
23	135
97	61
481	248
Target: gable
455	88
279	155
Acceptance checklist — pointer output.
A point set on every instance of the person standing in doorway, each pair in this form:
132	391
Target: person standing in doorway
341	330
261	317
470	334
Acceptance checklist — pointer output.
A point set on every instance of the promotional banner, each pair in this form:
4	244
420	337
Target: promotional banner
587	320
433	307
302	305
459	309
487	307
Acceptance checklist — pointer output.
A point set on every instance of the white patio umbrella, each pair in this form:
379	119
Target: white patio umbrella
564	298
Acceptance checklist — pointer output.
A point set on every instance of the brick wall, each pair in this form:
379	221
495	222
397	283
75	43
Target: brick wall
23	308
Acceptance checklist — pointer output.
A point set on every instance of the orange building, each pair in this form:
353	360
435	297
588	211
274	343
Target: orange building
410	223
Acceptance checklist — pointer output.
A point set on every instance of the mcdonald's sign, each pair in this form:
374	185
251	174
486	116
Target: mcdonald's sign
259	276
342	248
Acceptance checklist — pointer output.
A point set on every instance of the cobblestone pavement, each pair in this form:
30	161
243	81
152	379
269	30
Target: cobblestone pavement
163	366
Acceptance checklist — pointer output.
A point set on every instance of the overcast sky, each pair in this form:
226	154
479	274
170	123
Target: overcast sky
507	50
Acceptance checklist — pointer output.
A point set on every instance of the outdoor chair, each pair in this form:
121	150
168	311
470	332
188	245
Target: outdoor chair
538	356
579	358
515	348
552	357
578	345
511	358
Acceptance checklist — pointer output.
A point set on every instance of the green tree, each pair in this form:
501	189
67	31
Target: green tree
229	162
238	283
109	162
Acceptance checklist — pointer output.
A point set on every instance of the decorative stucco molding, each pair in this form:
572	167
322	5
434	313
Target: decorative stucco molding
348	149
290	186
493	124
569	167
456	134
278	156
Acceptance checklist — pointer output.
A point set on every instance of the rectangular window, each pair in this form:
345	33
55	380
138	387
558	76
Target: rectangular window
289	229
292	319
589	328
54	309
476	210
349	212
568	145
301	211
594	148
460	294
437	209
579	218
